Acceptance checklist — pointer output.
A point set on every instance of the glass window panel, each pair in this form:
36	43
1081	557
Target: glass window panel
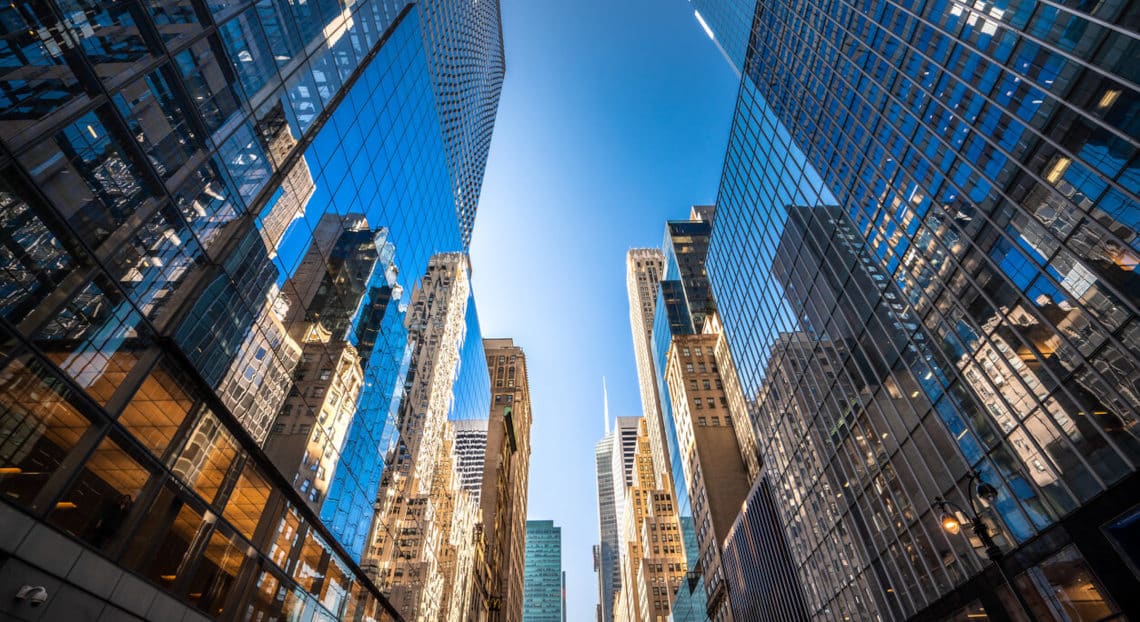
153	262
334	590
216	572
33	251
246	162
206	457
157	121
86	174
158	408
166	533
38	427
175	19
249	51
108	33
207	201
211	83
287	530
278	25
34	79
1075	590
96	505
308	570
247	501
268	596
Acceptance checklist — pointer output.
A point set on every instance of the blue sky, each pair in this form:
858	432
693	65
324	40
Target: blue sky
614	117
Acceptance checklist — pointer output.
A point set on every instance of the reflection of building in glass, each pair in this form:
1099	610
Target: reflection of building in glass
258	381
948	205
471	454
419	491
297	187
542	593
166	165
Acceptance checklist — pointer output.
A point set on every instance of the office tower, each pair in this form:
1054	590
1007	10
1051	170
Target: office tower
503	499
975	165
710	452
652	555
542	592
467	66
606	555
164	167
644	268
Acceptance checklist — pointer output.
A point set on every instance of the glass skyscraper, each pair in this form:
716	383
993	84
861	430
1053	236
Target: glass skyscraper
166	173
542	582
924	256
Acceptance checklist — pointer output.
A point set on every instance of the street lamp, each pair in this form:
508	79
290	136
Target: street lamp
952	525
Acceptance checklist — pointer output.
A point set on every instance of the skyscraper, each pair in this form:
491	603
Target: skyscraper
542	592
946	196
711	456
606	556
644	268
506	475
165	169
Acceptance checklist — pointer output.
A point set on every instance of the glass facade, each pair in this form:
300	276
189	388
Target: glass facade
542	581
212	214
924	258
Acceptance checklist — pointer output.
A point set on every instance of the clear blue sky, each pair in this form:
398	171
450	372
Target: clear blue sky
614	117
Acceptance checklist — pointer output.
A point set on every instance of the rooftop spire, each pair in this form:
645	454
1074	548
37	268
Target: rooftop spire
605	405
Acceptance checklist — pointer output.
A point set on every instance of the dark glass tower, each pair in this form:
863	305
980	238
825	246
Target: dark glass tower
925	262
168	171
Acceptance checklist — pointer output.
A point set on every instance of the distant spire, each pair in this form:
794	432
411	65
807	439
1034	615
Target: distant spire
606	405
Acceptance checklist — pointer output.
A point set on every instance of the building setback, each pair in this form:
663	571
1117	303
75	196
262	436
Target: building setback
924	261
542	592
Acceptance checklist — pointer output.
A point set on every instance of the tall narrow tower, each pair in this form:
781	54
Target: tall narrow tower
644	269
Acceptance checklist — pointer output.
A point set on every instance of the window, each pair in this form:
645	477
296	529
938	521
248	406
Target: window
697	403
247	501
209	452
701	421
96	505
158	408
40	427
161	542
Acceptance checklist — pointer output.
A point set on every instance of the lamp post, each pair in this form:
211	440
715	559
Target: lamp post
953	526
